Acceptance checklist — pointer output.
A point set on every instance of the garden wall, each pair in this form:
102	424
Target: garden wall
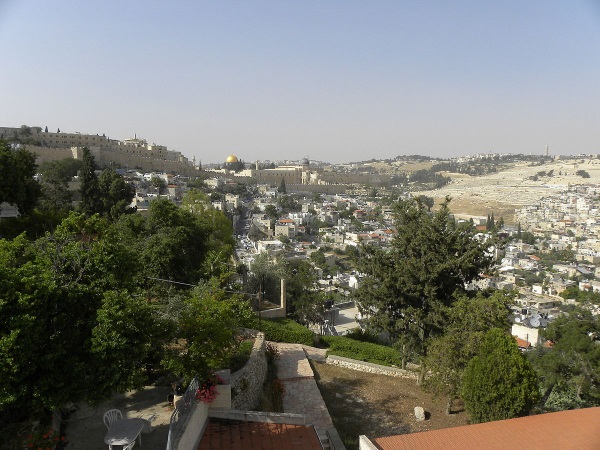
247	383
369	367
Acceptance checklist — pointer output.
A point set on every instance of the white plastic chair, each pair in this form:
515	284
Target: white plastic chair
111	416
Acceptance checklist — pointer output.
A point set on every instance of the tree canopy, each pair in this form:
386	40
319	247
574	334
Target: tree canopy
570	368
79	317
17	185
58	294
468	320
406	289
206	330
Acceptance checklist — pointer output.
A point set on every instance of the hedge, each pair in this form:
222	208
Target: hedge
362	351
285	330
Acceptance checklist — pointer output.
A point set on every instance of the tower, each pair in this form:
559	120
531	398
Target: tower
546	151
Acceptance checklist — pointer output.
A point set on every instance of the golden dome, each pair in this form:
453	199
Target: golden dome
231	159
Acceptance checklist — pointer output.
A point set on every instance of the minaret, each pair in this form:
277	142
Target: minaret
546	152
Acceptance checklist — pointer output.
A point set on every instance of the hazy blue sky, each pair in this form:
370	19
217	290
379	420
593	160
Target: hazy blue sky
332	80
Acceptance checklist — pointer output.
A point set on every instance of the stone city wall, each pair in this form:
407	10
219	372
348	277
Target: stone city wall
371	368
105	157
247	383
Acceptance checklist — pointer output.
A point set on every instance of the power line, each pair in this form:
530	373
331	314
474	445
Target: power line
196	285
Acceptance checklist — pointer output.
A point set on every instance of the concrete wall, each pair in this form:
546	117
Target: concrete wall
247	383
194	429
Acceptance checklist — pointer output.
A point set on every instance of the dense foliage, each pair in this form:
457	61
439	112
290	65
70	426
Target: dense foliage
61	297
570	368
284	330
17	185
499	383
362	351
85	313
407	288
468	320
206	331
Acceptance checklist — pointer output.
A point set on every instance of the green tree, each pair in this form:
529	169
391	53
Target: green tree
126	333
195	201
159	184
572	364
220	244
58	295
271	211
17	185
318	258
282	188
304	302
116	194
499	383
91	196
527	237
288	203
56	196
407	288
174	242
427	201
206	330
264	280
468	319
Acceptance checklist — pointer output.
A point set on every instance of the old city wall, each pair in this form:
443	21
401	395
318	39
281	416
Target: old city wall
105	157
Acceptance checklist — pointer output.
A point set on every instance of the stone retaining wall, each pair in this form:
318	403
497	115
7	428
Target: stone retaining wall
247	383
369	367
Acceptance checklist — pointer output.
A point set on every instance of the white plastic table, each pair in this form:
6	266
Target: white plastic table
124	432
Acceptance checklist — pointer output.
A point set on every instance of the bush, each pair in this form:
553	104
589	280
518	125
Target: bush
241	355
363	351
499	383
285	330
358	334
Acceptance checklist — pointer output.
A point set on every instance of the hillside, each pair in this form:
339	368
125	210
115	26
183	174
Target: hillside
512	188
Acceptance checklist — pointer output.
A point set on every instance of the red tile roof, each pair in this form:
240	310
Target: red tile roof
227	434
575	429
522	342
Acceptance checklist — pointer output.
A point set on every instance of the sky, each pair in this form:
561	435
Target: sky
334	81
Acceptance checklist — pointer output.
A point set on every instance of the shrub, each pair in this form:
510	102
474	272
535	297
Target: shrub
499	383
285	330
241	355
363	351
358	334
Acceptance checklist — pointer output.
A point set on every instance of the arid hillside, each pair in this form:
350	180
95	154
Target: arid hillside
512	188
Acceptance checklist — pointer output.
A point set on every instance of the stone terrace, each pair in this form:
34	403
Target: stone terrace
302	395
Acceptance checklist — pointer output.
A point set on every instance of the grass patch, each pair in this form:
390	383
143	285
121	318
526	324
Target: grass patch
362	351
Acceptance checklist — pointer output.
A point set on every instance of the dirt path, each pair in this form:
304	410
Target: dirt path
378	405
